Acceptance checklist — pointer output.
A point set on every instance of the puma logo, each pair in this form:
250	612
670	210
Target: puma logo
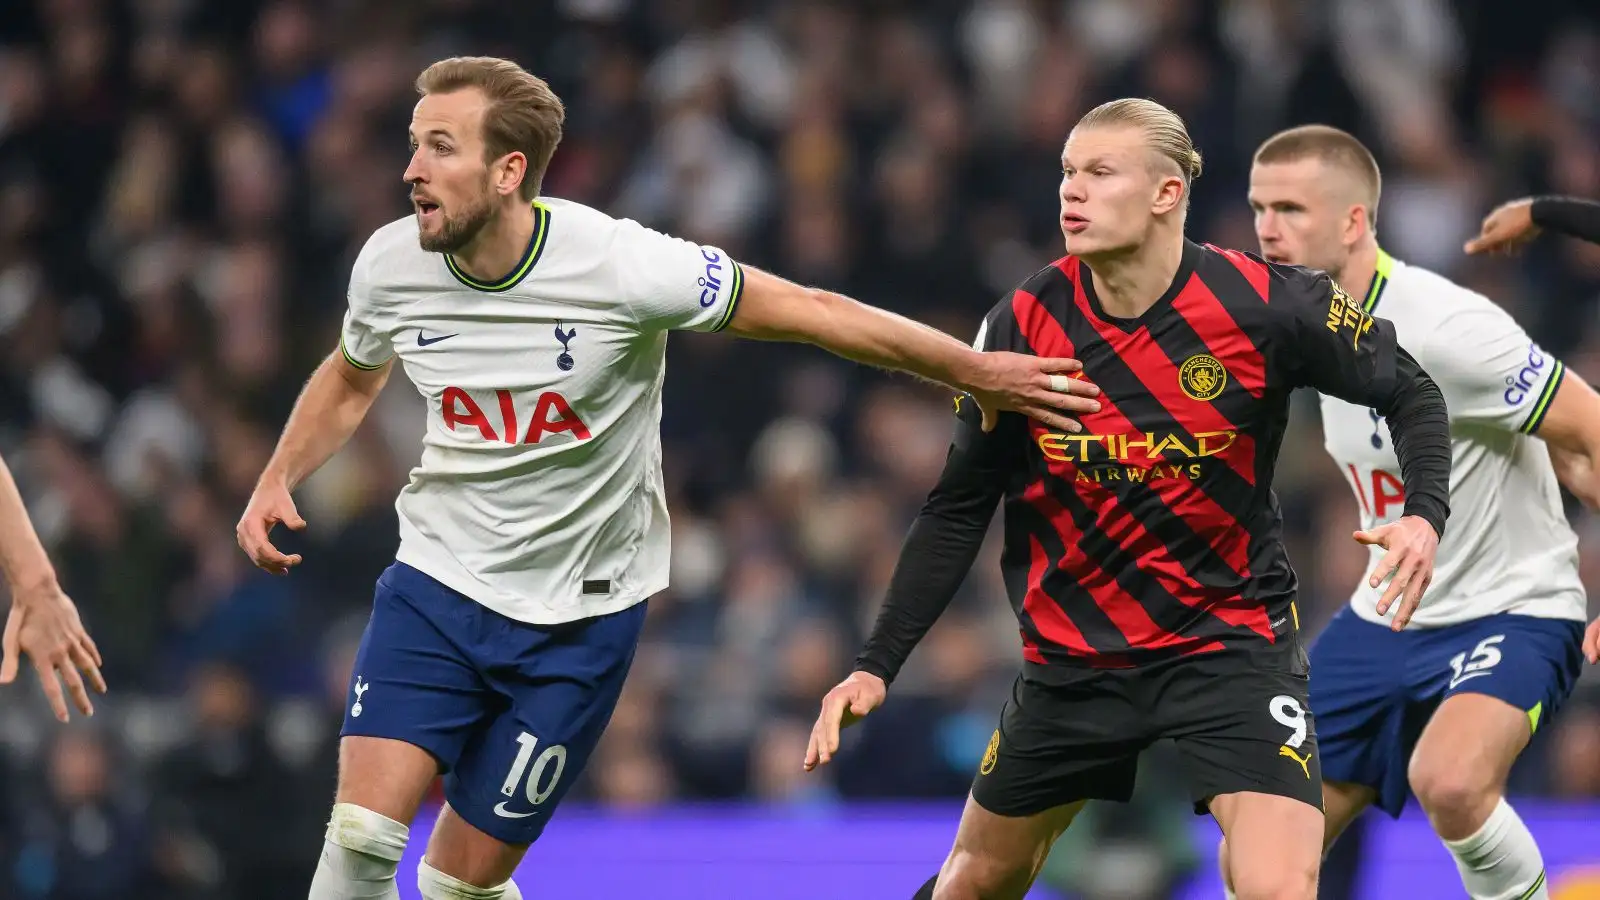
1305	763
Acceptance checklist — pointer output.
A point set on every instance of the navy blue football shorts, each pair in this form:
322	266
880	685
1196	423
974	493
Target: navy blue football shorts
510	710
1374	689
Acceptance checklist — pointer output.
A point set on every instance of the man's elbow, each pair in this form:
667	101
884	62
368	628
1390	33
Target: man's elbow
366	383
1416	398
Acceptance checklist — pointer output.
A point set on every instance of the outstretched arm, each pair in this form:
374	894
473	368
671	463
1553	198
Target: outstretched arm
1515	223
43	621
774	309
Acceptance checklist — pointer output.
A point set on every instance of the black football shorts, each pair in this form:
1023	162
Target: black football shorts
1076	734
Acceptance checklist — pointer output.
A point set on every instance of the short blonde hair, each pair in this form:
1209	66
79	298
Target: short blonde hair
1332	147
524	114
1163	129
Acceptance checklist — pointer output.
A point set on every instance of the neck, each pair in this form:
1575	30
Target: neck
1129	282
1356	275
498	247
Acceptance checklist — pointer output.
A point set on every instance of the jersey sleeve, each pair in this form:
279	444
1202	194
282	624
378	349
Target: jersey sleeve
1327	342
1489	370
947	534
363	340
671	283
997	449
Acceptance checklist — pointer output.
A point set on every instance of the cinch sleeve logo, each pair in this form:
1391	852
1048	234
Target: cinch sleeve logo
711	282
1521	382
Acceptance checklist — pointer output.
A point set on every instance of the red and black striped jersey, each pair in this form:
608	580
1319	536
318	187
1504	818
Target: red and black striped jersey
1154	532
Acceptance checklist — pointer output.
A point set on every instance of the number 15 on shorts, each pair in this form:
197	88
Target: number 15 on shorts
553	758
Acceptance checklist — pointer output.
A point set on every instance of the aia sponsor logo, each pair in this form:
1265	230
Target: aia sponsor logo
550	414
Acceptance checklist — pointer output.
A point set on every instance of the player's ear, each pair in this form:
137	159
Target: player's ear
1355	224
1169	194
509	172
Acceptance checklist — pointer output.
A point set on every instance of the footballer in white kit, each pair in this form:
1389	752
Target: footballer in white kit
1441	709
535	526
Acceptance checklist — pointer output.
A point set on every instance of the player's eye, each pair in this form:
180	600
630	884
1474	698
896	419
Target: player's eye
441	148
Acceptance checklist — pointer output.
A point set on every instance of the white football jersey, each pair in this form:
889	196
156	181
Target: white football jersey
539	493
1507	546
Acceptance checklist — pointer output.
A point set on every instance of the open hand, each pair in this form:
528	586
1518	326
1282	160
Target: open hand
848	703
269	505
1591	642
1506	229
44	624
1038	387
1412	544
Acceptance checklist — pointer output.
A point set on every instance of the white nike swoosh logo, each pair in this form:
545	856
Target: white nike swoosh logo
500	810
1468	677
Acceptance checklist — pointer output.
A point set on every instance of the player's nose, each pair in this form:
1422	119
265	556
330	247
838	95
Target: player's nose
415	171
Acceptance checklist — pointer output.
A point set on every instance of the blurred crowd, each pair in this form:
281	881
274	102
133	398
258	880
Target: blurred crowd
184	183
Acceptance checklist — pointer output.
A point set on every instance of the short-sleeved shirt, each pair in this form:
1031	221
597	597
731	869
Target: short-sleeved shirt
539	493
1509	547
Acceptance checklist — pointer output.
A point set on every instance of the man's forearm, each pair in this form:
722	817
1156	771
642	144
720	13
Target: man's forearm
867	335
939	551
1419	425
329	410
1572	216
23	557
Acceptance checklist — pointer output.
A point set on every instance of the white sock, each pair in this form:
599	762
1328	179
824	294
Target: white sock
436	885
359	855
1501	861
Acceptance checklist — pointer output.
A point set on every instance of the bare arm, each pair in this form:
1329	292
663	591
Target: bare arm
26	565
774	309
1571	429
330	409
43	621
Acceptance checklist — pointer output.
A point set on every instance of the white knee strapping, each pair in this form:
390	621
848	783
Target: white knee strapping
436	885
363	831
360	852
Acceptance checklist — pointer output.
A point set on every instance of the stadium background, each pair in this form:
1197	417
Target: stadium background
184	183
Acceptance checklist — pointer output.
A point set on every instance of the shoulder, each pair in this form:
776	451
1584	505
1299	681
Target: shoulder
577	218
393	258
1049	286
394	242
587	237
1243	277
1434	297
1447	325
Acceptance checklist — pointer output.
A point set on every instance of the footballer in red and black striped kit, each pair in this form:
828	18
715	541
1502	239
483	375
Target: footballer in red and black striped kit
1143	553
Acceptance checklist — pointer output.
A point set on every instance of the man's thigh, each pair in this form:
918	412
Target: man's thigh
1059	743
556	688
1240	728
1529	663
415	696
1366	722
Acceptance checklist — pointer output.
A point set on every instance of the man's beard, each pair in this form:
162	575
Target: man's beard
459	228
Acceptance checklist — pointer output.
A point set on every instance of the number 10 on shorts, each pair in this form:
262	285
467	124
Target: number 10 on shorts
554	755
